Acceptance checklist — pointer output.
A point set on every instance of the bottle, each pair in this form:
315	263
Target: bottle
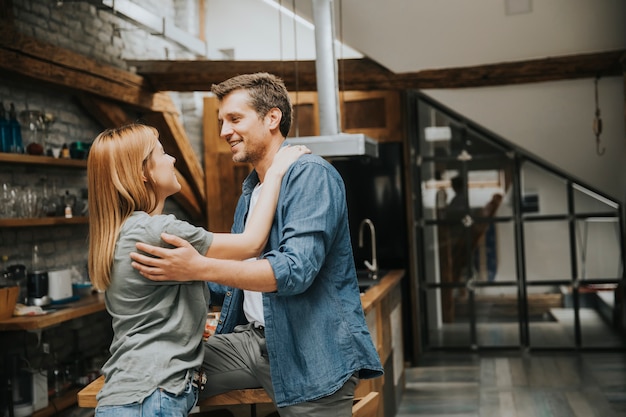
15	129
65	151
36	265
69	201
5	133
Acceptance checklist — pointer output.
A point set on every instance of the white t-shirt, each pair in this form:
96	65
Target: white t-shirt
253	300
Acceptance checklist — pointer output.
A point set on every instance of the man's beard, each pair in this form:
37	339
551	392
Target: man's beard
249	156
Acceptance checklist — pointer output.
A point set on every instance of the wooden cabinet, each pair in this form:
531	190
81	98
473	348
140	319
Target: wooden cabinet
382	305
376	114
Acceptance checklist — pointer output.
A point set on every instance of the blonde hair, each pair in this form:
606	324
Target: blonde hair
116	168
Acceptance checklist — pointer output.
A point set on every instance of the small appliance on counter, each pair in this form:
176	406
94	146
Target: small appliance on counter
60	285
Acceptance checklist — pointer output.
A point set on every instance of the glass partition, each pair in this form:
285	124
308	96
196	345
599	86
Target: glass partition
543	193
511	250
547	250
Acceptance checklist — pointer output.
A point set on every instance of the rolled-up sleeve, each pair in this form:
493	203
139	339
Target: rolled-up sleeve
312	200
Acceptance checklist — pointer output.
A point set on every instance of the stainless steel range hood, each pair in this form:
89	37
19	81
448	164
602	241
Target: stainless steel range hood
340	144
331	142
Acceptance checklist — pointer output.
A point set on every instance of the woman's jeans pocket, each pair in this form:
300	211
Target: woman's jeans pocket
159	404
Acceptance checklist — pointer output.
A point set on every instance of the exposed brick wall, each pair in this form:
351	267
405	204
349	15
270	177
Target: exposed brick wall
102	36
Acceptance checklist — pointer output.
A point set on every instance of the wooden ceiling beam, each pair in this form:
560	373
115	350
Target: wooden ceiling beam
25	56
366	75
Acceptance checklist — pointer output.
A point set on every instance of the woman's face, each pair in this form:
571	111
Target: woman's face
161	170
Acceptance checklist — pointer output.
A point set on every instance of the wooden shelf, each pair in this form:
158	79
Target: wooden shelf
21	159
43	221
13	158
87	305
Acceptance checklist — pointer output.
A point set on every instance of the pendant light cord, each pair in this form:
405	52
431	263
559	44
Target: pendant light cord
341	75
295	68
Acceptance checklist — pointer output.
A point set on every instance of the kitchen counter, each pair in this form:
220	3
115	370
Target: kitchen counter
376	293
86	305
95	303
382	306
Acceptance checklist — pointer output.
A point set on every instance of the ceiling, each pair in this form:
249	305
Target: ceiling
406	44
414	35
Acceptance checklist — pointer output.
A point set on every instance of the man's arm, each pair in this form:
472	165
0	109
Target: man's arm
184	263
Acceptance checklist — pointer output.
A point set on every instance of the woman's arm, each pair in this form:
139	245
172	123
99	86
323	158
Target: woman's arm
251	242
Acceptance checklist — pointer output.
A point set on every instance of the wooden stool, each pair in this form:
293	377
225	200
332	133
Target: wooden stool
87	397
366	406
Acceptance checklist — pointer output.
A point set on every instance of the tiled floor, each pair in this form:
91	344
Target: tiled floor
516	385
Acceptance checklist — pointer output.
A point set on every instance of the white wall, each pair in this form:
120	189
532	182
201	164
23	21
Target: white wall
259	32
409	36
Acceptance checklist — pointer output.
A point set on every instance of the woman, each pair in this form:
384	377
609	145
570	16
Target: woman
156	350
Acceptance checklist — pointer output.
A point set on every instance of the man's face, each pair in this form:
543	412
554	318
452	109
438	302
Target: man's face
241	127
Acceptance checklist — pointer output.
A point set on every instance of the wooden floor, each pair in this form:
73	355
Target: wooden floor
516	385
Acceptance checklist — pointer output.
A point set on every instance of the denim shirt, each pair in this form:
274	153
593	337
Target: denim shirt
315	329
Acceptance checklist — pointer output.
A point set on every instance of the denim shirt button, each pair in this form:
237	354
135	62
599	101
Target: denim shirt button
228	294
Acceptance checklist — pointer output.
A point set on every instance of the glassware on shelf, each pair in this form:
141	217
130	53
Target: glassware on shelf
48	200
7	201
27	203
70	202
32	126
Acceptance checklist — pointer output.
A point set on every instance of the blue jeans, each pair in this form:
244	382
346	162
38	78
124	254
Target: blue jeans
159	404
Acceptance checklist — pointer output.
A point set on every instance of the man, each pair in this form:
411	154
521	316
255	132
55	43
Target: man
292	321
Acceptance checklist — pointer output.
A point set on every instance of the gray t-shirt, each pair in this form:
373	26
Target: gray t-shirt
157	326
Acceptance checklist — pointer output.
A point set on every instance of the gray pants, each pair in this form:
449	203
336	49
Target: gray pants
238	360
